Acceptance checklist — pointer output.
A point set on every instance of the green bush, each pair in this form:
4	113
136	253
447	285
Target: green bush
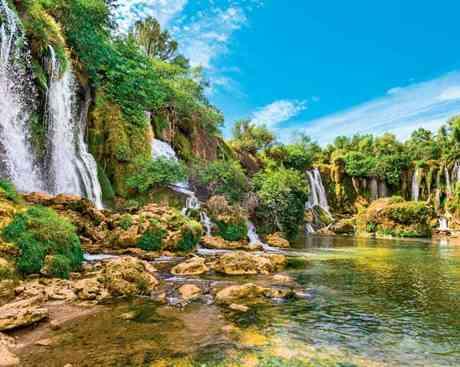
232	231
60	267
156	173
40	232
126	221
152	240
283	193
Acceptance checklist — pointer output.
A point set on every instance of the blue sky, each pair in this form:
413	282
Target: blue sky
325	68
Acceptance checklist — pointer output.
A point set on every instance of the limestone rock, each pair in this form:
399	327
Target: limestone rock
7	359
128	276
194	266
277	240
220	244
189	292
239	308
235	293
244	263
22	313
90	289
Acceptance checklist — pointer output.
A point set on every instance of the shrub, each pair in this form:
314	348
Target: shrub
223	178
191	236
152	239
40	232
60	267
229	219
156	173
126	221
232	231
9	191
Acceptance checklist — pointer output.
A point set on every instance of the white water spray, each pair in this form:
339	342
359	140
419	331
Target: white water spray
16	151
443	224
317	196
72	168
415	194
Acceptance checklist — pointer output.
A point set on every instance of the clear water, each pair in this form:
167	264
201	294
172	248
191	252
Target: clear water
368	303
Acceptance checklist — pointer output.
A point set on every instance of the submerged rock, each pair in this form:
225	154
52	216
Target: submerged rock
249	292
244	263
194	266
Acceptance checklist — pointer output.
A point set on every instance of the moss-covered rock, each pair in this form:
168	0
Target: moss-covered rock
396	217
231	221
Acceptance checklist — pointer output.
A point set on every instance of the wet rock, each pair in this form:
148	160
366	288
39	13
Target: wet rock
219	243
7	358
189	292
194	266
244	263
234	293
128	316
22	313
277	240
282	279
343	226
239	308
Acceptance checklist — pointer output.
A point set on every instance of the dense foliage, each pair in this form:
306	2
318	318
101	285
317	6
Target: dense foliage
283	193
156	173
40	232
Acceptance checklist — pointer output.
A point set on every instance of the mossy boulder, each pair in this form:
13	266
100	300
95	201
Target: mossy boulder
396	217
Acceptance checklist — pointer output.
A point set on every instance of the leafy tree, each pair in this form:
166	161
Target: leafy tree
283	193
251	137
156	173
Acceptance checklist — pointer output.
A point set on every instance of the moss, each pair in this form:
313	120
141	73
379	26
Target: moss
152	239
126	221
106	186
9	191
116	144
39	232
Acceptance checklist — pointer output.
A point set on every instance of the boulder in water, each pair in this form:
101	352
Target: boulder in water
189	292
277	240
194	266
244	263
219	243
249	292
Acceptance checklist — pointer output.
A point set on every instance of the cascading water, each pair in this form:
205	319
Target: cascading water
72	169
160	149
18	160
443	224
415	194
448	181
317	196
317	191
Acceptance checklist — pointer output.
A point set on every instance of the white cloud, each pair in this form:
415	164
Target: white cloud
278	112
209	35
164	11
402	110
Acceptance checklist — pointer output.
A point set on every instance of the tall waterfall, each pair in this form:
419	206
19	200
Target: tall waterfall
72	169
18	160
317	196
416	185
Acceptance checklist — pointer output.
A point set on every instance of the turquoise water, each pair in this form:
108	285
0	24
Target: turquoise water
367	303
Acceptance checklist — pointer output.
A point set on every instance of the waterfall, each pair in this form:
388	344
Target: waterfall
254	238
317	196
160	149
443	224
374	188
448	182
416	185
72	169
16	91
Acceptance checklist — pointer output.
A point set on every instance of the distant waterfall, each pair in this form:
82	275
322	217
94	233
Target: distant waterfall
443	224
161	149
72	169
415	193
18	160
317	196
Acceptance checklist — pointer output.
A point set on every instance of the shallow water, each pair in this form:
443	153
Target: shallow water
369	303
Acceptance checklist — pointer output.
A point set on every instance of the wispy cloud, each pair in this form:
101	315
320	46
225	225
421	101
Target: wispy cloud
278	112
402	110
164	11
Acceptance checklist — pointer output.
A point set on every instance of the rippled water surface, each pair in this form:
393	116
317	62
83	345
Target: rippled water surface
368	303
